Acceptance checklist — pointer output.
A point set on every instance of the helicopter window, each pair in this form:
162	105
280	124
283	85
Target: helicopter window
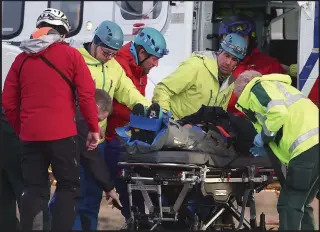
12	18
73	10
132	10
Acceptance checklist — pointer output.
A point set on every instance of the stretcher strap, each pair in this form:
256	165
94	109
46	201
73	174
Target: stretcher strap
144	123
223	132
243	208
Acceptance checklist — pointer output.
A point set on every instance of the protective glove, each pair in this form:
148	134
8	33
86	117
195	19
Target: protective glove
293	70
257	151
258	141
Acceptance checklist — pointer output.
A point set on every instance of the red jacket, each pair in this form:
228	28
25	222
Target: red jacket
314	92
259	62
121	113
39	104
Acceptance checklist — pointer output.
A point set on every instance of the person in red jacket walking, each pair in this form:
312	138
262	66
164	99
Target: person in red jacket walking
40	105
137	58
255	59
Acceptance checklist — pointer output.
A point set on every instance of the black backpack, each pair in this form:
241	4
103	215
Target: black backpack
239	131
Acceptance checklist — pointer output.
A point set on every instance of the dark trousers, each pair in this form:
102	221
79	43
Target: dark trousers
300	188
11	181
63	155
94	178
9	194
88	206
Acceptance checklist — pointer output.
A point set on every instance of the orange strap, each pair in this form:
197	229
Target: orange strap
41	32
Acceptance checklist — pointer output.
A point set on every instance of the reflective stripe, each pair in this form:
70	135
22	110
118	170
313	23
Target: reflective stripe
275	103
278	102
303	138
290	97
267	132
265	129
283	90
260	117
294	98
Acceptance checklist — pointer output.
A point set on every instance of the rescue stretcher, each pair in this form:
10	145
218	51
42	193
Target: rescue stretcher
182	176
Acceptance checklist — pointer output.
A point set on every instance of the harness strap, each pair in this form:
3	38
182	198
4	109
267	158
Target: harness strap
73	88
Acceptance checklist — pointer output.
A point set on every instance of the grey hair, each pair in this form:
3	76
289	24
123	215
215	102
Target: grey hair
243	79
103	101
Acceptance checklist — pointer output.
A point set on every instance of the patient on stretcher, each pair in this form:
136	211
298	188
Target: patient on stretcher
213	131
212	154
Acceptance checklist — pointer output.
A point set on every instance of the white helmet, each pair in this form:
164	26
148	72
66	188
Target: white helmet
54	17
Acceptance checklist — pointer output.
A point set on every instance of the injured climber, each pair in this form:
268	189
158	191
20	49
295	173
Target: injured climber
211	130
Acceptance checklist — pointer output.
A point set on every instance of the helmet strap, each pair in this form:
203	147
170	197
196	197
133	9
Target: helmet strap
95	47
140	62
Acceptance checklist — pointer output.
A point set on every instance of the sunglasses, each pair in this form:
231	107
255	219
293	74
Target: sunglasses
150	42
236	49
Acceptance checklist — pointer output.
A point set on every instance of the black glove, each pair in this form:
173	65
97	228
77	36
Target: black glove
206	114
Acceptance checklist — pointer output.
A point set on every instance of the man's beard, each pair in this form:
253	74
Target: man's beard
223	76
146	71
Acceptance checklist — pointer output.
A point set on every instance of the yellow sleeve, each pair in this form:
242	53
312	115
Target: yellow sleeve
127	94
275	112
178	81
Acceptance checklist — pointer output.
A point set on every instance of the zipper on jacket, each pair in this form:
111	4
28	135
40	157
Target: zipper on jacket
215	101
223	99
210	97
110	86
104	77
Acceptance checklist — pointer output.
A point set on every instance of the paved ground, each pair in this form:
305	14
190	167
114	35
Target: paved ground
111	219
266	202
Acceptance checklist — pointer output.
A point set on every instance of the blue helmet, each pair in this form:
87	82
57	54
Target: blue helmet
108	34
234	44
152	41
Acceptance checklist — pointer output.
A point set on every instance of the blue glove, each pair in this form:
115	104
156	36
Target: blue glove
257	151
258	140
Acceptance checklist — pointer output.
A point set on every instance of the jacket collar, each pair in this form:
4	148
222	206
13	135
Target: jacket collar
209	61
253	53
129	54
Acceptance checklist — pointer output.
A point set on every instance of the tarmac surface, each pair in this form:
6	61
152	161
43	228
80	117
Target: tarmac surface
266	202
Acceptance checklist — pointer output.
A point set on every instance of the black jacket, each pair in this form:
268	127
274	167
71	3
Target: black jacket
240	129
91	160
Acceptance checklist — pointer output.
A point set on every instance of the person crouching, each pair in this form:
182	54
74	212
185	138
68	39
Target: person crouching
288	123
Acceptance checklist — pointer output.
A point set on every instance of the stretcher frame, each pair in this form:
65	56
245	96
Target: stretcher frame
254	182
